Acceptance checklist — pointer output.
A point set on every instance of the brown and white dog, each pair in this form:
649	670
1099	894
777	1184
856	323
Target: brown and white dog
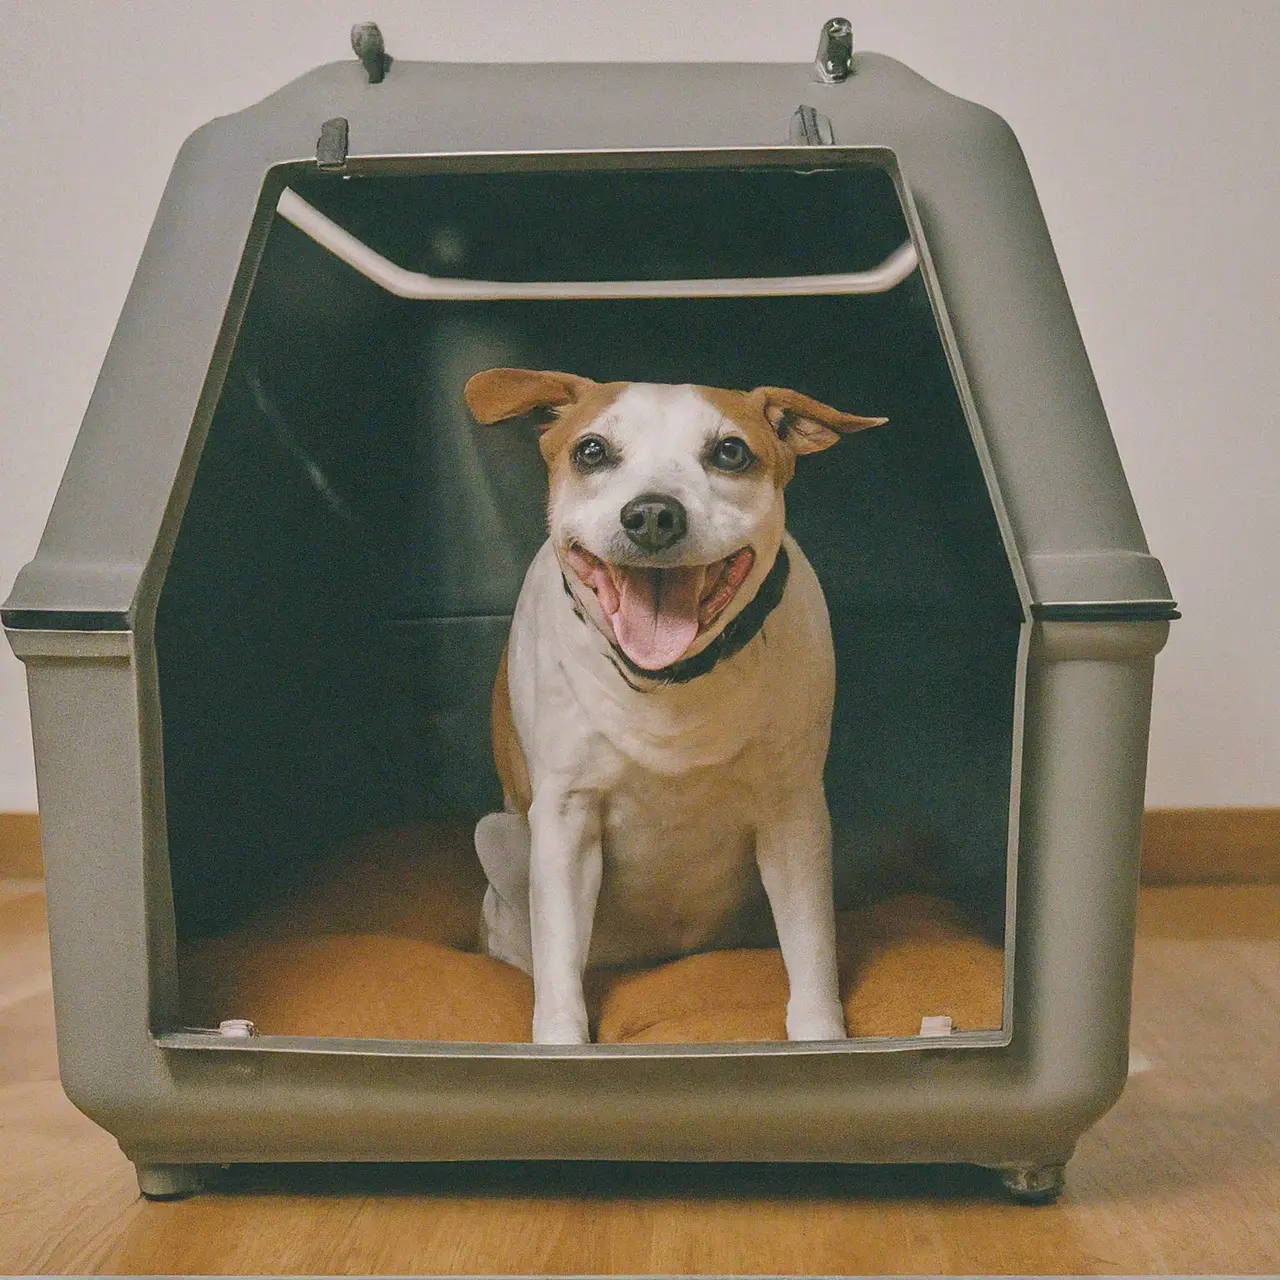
662	713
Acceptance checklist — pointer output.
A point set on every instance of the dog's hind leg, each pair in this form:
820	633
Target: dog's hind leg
502	845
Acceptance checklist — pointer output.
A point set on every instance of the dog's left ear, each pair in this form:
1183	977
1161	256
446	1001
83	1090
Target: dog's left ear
805	424
497	394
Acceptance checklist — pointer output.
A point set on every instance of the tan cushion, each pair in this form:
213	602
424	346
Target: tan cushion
358	985
376	945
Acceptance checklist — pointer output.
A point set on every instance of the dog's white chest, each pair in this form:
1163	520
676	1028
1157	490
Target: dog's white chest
681	778
679	865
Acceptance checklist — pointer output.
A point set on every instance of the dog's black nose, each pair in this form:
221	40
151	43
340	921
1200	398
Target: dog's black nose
654	521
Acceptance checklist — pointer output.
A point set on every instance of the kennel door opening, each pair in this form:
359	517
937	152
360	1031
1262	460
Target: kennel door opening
353	545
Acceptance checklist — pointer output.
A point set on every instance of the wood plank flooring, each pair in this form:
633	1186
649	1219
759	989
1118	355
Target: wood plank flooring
1182	1176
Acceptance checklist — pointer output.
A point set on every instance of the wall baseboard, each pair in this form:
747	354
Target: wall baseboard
20	857
1179	846
1211	846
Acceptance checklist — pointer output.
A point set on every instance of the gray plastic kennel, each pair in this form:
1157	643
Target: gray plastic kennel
270	599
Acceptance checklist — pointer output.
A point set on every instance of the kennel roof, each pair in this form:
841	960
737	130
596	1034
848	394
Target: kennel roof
1038	420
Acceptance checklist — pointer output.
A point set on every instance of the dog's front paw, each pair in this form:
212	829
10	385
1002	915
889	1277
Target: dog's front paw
560	1028
824	1021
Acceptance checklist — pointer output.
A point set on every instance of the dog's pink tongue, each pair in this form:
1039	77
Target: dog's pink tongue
657	617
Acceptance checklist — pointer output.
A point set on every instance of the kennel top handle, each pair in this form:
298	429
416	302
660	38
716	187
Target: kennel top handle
972	210
418	286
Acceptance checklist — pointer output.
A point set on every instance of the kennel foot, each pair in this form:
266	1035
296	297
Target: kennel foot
168	1181
1034	1183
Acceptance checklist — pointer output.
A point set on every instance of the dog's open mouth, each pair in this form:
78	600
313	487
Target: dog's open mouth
656	614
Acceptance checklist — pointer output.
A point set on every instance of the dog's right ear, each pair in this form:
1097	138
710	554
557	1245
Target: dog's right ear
496	394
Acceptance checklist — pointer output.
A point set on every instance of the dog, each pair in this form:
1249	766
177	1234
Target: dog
662	710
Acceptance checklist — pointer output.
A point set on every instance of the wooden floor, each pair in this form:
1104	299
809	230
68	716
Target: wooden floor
1182	1176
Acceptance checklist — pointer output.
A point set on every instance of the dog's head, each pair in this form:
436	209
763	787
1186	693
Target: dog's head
666	504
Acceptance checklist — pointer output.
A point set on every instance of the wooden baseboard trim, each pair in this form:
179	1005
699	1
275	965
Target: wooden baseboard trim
20	857
1211	846
1179	846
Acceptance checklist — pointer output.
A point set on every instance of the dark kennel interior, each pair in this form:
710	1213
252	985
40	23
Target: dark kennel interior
353	544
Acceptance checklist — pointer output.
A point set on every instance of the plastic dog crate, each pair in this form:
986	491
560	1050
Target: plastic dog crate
270	599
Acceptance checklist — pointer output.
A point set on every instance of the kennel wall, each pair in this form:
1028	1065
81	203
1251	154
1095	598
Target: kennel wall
268	603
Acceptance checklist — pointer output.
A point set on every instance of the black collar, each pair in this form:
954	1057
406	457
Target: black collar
737	635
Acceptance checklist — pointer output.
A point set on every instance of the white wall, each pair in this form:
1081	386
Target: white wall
1150	128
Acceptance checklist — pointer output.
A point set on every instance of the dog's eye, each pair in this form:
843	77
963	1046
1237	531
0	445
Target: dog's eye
731	454
589	453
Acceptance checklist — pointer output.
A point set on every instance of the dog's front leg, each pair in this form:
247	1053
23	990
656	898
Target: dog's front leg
793	850
565	866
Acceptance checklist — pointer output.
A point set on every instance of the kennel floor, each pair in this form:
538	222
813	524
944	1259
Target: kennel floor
1182	1176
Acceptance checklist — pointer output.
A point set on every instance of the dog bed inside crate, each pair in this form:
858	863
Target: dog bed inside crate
380	943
